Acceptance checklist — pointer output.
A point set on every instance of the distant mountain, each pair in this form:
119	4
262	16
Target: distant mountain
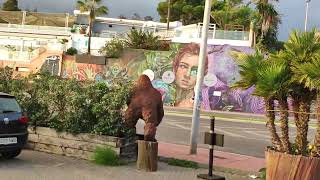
292	11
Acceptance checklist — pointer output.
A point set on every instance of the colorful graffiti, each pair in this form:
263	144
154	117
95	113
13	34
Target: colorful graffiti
175	75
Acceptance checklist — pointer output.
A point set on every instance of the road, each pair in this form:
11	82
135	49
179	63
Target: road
241	137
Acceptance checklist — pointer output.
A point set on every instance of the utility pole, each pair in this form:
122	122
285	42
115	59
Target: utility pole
201	66
306	18
168	15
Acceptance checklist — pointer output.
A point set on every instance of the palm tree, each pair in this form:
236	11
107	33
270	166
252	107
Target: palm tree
273	83
268	15
91	6
249	65
307	71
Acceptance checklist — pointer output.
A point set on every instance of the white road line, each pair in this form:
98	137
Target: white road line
257	134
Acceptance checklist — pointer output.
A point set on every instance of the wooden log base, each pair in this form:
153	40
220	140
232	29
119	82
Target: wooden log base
147	156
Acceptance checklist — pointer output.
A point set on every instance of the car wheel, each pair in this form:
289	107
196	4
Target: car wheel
11	154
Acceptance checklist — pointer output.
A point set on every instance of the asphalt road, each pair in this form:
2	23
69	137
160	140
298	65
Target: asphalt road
241	137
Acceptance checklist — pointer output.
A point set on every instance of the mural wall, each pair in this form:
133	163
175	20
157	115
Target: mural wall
174	72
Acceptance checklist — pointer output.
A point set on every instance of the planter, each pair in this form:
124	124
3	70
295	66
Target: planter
90	59
291	167
80	145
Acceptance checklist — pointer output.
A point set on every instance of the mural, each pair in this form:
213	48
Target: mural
175	73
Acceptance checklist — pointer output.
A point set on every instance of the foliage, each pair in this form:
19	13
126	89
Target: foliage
263	173
232	13
69	105
10	5
107	156
183	163
10	48
266	20
148	18
113	48
187	12
139	39
291	73
72	51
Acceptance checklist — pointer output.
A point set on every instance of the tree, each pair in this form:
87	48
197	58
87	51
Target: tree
136	16
231	13
249	67
148	18
304	49
91	6
273	82
266	22
188	12
10	5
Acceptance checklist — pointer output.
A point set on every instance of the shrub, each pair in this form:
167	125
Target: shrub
71	51
142	40
113	48
107	156
69	105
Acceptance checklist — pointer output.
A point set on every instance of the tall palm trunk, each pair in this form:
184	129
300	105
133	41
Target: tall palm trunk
317	139
271	119
89	35
303	125
284	118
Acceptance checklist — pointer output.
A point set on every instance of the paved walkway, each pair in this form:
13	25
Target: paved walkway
221	159
33	165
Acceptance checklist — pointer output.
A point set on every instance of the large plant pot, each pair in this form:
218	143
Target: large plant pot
291	167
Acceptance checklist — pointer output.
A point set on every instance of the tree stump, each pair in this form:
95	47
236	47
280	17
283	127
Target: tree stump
147	156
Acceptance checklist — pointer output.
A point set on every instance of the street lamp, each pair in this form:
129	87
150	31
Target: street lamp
202	58
306	18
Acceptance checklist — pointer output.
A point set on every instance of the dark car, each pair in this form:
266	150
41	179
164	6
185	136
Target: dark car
13	127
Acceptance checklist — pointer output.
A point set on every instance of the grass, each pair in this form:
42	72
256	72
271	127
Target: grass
182	163
107	156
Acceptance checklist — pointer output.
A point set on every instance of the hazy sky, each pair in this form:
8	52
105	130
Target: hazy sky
292	11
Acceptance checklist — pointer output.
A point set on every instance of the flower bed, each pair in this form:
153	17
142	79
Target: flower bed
80	145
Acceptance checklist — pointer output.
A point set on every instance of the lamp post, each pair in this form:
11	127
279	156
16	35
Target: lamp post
201	66
306	18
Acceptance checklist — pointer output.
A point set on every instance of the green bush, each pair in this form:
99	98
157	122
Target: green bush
107	156
71	51
113	48
142	40
69	105
183	163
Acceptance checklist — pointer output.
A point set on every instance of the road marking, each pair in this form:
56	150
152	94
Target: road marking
257	134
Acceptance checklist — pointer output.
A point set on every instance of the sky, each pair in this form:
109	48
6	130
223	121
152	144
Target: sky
292	11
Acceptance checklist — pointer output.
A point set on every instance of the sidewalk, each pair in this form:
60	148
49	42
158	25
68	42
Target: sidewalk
221	159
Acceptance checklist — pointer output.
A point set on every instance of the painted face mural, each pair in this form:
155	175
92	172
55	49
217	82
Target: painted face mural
186	74
181	63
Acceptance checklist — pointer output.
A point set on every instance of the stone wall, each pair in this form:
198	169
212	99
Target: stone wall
80	145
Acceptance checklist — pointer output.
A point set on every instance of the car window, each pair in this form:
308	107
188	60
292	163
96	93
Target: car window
9	105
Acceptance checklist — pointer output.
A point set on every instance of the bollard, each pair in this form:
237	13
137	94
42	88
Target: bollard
211	138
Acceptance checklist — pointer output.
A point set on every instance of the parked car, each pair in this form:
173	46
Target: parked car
13	127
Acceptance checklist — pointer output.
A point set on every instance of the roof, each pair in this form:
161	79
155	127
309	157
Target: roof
5	94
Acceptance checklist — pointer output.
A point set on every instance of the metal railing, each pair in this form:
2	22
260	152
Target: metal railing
35	29
10	55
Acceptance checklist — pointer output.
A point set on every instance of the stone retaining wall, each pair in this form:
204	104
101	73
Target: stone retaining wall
80	145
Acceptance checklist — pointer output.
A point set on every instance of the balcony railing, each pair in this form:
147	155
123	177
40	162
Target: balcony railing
49	30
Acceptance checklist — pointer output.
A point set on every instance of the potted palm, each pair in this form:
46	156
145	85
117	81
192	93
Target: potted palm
291	73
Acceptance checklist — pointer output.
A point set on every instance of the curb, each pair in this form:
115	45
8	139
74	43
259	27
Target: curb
216	168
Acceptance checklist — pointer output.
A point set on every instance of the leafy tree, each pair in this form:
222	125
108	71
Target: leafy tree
91	6
148	18
10	5
232	13
186	11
